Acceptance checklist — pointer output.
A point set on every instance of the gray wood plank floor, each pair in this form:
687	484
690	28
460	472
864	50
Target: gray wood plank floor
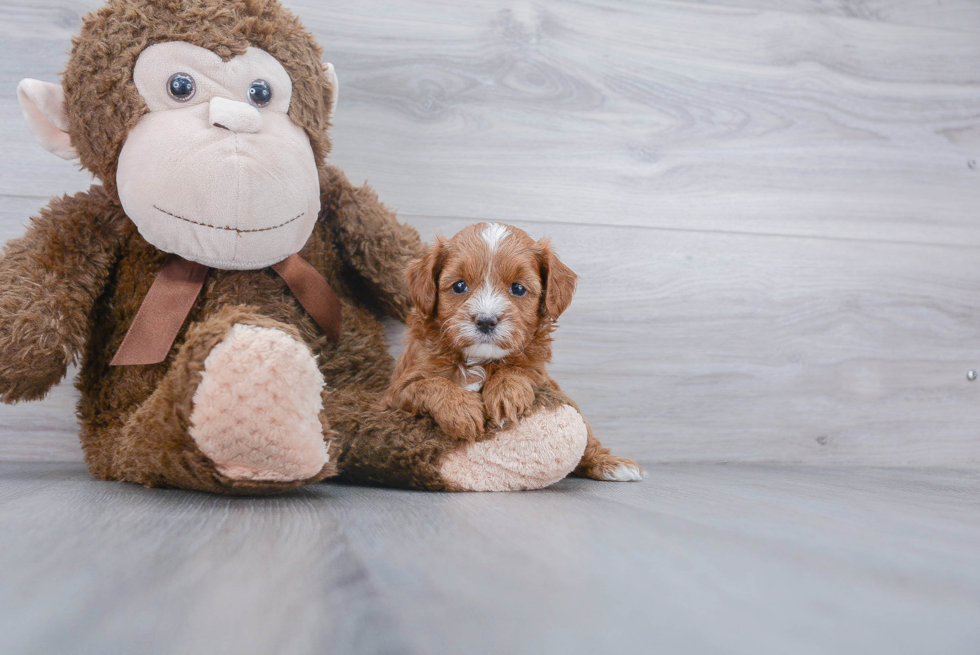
697	559
773	207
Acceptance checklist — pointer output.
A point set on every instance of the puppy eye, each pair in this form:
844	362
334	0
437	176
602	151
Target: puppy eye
181	87
260	93
460	287
518	289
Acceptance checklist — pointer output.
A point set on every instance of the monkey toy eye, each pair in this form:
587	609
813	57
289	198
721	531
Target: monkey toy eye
181	87
260	93
518	289
460	287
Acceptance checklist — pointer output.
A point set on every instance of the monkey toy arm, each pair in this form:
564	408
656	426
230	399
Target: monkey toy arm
49	281
371	240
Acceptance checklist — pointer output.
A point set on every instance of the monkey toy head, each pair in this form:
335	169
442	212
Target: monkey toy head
206	119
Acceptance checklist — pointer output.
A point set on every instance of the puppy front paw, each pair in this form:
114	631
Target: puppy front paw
612	469
462	418
507	398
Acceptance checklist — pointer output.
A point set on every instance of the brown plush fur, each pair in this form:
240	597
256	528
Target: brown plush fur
134	418
434	369
72	285
154	447
49	281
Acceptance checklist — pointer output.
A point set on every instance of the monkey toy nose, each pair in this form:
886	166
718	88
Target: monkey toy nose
233	115
485	323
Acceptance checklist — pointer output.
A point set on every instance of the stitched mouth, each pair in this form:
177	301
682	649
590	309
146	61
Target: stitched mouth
229	229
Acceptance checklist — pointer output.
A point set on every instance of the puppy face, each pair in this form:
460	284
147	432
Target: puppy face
489	289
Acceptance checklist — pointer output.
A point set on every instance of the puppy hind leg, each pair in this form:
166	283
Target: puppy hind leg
599	464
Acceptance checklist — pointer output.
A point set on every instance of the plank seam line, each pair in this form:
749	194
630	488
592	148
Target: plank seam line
631	226
746	233
745	9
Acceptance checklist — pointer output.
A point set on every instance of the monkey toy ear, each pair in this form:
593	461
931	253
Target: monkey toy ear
331	75
43	104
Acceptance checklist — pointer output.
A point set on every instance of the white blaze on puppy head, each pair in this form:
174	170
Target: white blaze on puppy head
493	234
487	289
488	305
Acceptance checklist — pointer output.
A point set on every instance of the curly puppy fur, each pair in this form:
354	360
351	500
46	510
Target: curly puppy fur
487	302
476	348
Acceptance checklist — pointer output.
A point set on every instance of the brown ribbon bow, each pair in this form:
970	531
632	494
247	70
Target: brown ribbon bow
176	287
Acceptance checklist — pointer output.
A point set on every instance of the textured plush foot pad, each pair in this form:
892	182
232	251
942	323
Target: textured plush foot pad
539	451
257	410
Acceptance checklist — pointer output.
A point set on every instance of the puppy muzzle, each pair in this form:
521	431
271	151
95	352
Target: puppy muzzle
486	323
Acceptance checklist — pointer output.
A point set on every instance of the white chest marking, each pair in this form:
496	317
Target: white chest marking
472	376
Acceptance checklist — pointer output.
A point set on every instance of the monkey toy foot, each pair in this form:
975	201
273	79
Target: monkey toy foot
536	452
257	408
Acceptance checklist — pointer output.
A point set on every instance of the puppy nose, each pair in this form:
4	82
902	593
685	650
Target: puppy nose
233	115
485	323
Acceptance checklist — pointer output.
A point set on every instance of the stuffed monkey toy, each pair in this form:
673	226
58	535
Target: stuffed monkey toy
222	284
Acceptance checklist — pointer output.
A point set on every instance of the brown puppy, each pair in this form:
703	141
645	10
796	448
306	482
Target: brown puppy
479	340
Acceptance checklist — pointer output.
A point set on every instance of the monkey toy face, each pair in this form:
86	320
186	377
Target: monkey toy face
216	171
206	120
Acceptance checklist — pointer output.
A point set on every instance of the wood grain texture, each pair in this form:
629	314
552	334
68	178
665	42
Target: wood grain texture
680	115
956	15
696	559
771	205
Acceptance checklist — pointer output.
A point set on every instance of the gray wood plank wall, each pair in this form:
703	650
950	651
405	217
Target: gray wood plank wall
774	206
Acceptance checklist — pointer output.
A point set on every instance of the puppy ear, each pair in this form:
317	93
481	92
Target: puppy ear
423	277
557	279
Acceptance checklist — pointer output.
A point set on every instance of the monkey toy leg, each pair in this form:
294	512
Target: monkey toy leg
394	448
239	411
